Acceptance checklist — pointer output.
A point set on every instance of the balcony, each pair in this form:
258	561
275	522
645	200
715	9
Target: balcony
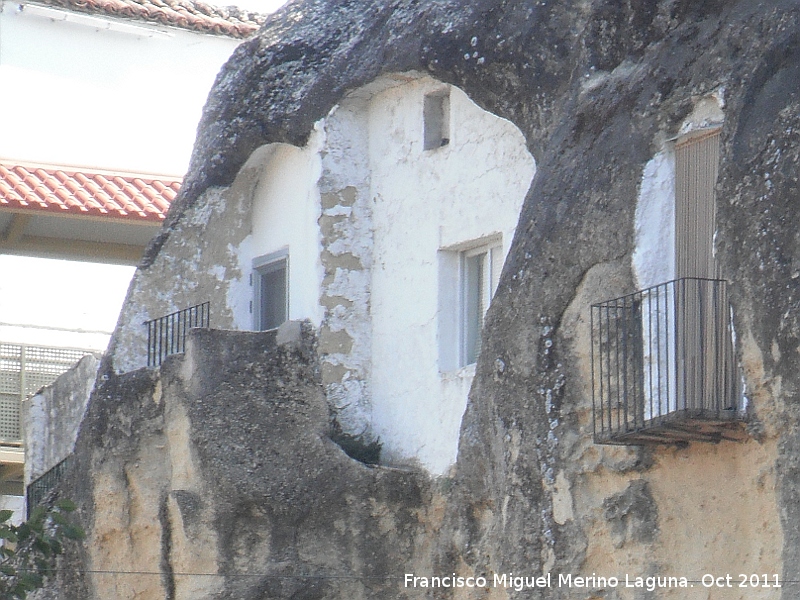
663	366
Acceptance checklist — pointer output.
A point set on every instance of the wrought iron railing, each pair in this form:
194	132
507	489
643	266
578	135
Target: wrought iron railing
167	335
663	366
40	487
24	370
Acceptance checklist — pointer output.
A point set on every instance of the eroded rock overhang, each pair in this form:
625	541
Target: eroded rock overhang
591	85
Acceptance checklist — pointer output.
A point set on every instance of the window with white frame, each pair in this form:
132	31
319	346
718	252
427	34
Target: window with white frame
480	272
469	274
271	290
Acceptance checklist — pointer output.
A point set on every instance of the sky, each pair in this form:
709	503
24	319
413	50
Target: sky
40	298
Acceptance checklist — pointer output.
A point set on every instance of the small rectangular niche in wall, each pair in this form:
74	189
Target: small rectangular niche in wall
271	290
436	119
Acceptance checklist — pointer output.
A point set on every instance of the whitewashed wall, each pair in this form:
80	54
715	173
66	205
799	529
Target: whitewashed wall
373	224
285	211
425	202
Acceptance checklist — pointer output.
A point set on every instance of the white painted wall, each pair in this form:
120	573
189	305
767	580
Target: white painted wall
286	208
426	202
347	245
80	96
654	254
374	225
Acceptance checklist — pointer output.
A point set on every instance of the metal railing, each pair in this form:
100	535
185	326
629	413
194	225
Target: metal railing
167	335
39	488
663	367
24	370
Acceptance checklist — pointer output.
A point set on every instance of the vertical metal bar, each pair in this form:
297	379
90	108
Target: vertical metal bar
625	363
608	371
160	341
684	357
23	367
591	359
603	391
600	366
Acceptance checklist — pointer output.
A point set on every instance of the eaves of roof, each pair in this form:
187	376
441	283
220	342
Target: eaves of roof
184	14
72	191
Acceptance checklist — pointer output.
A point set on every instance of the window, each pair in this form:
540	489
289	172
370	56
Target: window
271	287
436	119
480	270
467	280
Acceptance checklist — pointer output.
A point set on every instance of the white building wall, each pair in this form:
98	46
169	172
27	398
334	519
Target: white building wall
426	202
78	95
374	226
654	254
286	208
347	237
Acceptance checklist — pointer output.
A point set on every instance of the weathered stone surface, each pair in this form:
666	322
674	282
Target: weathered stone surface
51	418
215	478
595	86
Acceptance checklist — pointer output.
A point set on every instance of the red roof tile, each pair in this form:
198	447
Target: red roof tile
66	190
186	14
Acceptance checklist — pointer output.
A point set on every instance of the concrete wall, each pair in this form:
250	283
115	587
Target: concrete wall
51	418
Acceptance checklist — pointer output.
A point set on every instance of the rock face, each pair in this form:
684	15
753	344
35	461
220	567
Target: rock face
219	464
214	478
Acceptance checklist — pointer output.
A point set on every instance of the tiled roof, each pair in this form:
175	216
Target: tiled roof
64	190
186	14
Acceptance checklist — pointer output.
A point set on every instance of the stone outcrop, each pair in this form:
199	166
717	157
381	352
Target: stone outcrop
220	462
213	477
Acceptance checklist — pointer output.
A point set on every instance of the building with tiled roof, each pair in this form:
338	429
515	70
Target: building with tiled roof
185	14
113	89
43	211
64	190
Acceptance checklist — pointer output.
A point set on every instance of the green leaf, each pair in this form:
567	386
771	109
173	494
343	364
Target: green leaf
66	505
73	532
5	515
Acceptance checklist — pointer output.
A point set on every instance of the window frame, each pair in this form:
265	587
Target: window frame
454	321
264	265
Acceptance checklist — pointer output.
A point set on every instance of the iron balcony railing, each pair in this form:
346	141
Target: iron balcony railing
663	365
41	487
167	335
